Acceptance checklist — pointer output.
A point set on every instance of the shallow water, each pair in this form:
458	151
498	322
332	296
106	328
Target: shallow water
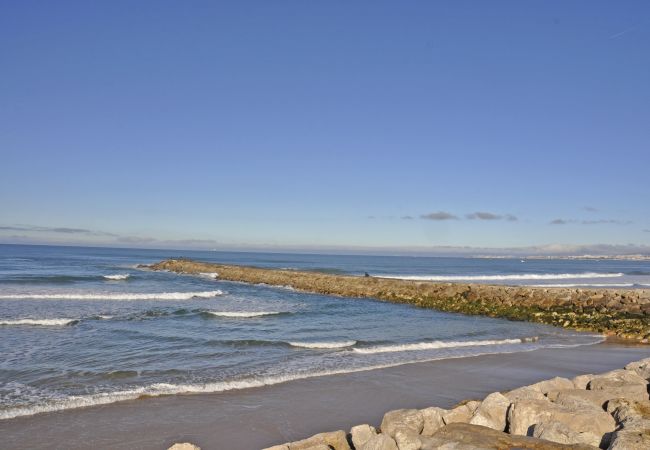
82	326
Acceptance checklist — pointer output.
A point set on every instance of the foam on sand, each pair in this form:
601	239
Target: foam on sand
115	296
519	276
40	322
323	344
437	344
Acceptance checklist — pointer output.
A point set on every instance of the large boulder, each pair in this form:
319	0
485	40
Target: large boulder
184	446
463	436
407	440
581	381
380	442
524	414
407	419
578	398
630	415
621	383
335	439
524	393
642	368
553	384
432	420
361	434
559	432
276	447
460	414
492	412
629	440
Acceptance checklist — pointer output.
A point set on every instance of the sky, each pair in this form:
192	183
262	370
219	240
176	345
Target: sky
305	125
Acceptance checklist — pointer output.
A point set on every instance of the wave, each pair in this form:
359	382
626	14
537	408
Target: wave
45	279
438	344
115	296
40	322
521	276
209	275
243	314
117	277
323	344
159	389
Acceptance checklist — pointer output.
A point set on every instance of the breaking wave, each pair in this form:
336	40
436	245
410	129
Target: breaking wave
115	296
117	277
40	322
521	276
438	344
244	314
323	344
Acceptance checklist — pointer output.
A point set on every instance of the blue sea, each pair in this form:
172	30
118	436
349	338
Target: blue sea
84	326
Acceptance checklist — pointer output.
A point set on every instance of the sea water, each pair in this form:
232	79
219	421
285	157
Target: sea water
85	326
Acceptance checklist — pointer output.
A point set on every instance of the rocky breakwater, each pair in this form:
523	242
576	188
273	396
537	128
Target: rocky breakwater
609	411
624	313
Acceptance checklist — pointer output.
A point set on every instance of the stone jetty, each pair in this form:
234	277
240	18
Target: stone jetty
620	312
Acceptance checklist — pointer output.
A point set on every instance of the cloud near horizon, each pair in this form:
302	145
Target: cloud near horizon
439	215
589	222
62	230
491	216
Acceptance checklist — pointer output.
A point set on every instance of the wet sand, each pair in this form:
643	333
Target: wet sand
255	418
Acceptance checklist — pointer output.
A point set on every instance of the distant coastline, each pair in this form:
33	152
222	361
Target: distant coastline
571	257
621	312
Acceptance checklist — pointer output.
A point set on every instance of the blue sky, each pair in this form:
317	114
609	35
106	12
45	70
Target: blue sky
297	124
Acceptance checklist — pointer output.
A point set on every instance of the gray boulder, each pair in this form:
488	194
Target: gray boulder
362	434
523	414
380	442
407	419
621	383
559	432
335	439
492	412
629	440
460	414
407	440
642	368
432	420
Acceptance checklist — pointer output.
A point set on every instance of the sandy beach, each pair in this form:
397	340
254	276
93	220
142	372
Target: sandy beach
259	417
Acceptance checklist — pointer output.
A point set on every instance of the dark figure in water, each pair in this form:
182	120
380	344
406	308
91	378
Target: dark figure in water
366	274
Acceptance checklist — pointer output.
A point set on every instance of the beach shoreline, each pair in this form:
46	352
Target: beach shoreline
260	417
619	312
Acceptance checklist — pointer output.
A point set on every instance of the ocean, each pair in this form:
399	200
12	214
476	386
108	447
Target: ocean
85	326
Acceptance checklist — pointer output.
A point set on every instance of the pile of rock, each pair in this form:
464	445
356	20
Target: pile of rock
610	410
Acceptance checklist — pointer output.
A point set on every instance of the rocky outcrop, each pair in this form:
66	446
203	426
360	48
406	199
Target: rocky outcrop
625	313
184	446
609	411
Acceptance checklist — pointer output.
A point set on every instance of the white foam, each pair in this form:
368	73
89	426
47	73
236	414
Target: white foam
117	277
210	275
115	296
243	314
521	276
324	344
159	389
39	322
435	345
568	285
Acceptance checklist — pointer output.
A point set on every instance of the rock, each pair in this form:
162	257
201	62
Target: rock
462	436
621	383
184	446
642	368
581	381
361	434
553	384
561	433
524	393
492	412
630	414
336	439
277	447
629	440
432	420
460	414
407	419
407	440
523	414
578	398
380	442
